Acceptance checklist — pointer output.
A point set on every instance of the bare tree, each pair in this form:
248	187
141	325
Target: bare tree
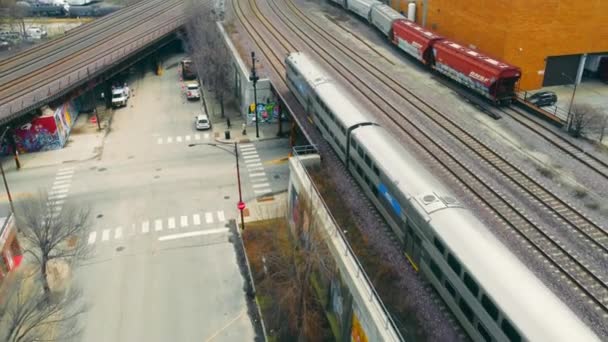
209	51
292	263
584	119
52	232
28	314
14	13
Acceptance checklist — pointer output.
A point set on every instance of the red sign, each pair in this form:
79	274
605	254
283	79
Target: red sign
241	205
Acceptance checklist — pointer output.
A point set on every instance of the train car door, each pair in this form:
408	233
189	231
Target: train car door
413	243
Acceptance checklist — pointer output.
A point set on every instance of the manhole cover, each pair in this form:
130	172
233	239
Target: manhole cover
156	177
226	197
276	177
100	216
158	169
120	249
101	169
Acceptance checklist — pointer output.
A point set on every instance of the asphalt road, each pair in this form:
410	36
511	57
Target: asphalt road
164	266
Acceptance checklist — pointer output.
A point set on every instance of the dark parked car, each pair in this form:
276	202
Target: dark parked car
543	99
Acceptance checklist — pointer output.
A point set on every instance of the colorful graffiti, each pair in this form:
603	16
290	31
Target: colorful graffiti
46	132
267	113
357	332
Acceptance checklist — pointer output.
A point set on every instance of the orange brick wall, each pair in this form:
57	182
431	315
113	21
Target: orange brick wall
521	32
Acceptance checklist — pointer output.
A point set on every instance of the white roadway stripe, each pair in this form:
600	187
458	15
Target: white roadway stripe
262	191
56	208
62	181
158	225
258	168
191	234
52	203
105	235
169	140
196	218
209	217
197	137
258	180
118	233
61	186
66	169
253	163
178	139
220	216
59	196
246	153
246	145
184	221
252	156
159	141
261	185
58	191
65	173
92	237
145	227
171	223
258	174
206	135
247	148
63	177
187	138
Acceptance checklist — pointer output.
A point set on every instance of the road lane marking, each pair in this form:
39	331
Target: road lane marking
169	140
262	191
220	216
196	218
56	208
247	148
206	135
145	227
159	141
92	237
158	225
251	156
58	187
246	145
58	191
65	173
171	223
63	177
261	185
259	168
62	181
197	137
118	233
259	180
191	234
178	139
52	203
187	138
247	153
209	217
66	169
58	196
184	221
105	235
258	174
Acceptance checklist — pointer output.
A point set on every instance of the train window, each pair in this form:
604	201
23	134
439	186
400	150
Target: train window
466	310
360	151
366	180
490	307
471	284
454	264
436	270
376	171
343	129
450	288
375	191
483	332
353	142
511	333
359	171
439	245
368	161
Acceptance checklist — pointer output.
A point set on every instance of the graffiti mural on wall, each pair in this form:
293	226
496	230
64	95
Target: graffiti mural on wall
267	112
46	132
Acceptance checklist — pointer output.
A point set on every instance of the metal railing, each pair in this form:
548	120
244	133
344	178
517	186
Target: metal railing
373	297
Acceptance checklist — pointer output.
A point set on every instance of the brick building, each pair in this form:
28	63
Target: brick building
10	250
545	38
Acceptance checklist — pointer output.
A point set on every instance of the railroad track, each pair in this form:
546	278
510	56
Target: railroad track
18	87
594	163
555	252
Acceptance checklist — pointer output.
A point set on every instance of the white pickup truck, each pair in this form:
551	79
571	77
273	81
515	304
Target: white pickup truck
120	96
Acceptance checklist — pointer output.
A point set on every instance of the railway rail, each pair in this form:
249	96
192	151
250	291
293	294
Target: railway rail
575	272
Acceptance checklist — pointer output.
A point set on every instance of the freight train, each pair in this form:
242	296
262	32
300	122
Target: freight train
492	293
58	9
489	77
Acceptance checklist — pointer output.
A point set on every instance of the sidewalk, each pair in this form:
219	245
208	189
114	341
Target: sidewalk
85	142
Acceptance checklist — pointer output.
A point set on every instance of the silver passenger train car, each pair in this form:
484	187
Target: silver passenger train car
492	293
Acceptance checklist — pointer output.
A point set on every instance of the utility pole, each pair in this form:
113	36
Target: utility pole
241	204
569	118
254	78
8	193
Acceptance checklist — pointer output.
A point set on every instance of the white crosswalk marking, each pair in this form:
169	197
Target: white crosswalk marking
105	235
258	174
220	216
253	162
196	219
259	180
66	169
261	185
251	156
184	221
247	149
63	177
145	227
257	168
51	203
171	223
197	137
206	135
159	141
66	172
56	208
187	138
58	191
158	225
92	237
178	139
169	140
246	153
246	145
62	181
61	186
209	217
118	233
262	191
58	196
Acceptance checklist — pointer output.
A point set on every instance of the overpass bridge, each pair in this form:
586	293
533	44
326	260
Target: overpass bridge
86	55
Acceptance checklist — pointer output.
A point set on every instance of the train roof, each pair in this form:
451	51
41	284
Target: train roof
343	105
416	30
474	63
536	311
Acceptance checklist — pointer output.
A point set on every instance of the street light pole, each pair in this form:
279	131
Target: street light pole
8	193
241	204
254	78
569	118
